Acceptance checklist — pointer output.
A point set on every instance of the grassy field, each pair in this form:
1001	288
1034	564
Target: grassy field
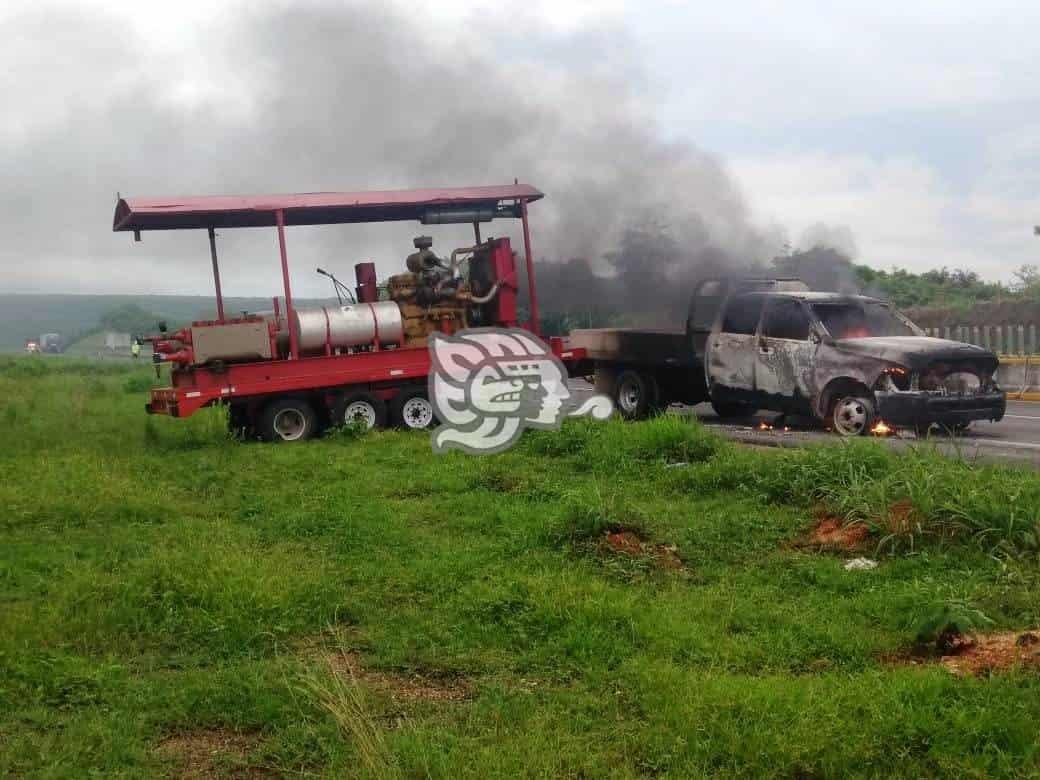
175	603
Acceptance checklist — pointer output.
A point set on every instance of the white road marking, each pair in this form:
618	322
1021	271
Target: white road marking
1019	417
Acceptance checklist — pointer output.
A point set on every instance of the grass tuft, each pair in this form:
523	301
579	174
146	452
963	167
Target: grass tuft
341	696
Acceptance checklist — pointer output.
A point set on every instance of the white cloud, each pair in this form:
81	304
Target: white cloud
802	59
899	210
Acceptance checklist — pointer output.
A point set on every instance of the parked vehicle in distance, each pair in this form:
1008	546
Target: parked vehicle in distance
846	360
52	342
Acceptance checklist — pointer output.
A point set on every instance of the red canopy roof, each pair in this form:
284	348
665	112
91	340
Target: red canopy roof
309	208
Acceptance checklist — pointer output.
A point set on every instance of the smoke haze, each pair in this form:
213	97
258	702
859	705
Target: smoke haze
347	98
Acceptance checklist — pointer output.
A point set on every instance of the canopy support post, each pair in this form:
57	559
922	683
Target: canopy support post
532	294
216	274
294	347
476	232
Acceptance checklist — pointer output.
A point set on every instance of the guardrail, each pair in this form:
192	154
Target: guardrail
1006	339
1020	376
1017	345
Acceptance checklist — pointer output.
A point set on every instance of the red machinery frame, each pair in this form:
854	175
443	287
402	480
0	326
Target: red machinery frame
381	371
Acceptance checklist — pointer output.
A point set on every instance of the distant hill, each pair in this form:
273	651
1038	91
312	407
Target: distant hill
74	316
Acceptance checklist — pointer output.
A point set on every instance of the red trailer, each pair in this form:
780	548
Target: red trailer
286	373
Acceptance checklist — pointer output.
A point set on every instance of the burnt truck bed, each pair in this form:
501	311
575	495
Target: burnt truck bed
665	365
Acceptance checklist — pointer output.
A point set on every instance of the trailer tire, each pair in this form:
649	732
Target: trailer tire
288	419
364	408
412	410
634	394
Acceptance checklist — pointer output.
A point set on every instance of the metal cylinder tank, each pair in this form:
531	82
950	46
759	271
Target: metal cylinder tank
349	326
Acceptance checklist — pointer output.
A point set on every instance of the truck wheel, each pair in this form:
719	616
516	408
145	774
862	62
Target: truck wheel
360	408
412	410
288	419
633	394
729	409
852	415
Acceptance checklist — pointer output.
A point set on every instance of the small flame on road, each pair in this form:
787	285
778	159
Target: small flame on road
882	429
764	426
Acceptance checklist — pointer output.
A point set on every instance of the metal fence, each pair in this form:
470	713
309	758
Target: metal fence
1006	339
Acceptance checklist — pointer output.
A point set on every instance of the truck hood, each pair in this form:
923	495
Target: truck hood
917	352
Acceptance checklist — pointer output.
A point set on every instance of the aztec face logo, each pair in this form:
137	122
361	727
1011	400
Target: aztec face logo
488	384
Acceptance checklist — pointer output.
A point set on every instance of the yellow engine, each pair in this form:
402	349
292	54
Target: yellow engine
434	297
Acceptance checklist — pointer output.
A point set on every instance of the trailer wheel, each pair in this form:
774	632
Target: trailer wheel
633	394
288	419
412	410
360	408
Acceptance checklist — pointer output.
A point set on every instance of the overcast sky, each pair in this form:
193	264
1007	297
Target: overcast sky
909	136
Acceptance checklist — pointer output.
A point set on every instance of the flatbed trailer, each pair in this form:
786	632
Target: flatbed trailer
288	390
643	370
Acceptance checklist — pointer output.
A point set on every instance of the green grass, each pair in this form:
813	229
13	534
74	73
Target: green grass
157	579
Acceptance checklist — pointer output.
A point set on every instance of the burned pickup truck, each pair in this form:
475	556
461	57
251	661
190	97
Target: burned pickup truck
849	361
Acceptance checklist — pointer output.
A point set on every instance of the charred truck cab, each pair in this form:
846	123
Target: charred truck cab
849	361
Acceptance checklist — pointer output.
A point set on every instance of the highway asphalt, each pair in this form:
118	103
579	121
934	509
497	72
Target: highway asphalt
1015	438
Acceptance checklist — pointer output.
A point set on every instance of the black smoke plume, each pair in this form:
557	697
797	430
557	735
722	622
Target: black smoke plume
345	97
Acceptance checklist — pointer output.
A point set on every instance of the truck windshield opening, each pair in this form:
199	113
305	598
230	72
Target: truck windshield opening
860	320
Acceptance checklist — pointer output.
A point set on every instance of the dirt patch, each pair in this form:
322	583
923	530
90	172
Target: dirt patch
984	653
213	753
901	517
833	533
402	687
625	542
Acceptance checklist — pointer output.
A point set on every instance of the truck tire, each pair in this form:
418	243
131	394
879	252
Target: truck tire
634	394
852	414
363	408
288	419
730	409
412	410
